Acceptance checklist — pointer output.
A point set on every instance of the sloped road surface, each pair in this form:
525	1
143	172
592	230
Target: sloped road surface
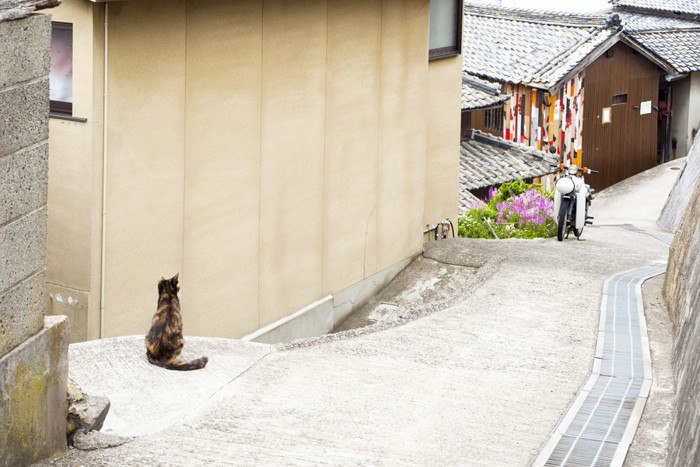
482	377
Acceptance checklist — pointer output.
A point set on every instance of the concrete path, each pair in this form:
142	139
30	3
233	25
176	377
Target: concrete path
481	377
145	401
637	201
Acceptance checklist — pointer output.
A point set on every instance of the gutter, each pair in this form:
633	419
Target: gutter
671	77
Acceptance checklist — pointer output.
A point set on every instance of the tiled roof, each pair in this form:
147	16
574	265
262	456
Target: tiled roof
467	202
541	49
487	160
479	93
691	7
680	48
672	38
638	21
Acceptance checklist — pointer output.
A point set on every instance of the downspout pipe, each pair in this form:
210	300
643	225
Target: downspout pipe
103	251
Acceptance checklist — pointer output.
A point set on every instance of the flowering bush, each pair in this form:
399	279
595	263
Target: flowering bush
515	210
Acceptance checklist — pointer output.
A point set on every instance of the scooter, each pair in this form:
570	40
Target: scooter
571	201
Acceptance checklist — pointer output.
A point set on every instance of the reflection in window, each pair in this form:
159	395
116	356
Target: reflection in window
445	28
61	74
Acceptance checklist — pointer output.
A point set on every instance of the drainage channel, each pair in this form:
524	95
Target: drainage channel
600	425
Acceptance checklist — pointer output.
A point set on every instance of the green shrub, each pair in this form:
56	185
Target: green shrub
516	210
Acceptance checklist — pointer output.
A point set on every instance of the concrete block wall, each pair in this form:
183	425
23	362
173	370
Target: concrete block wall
24	90
33	349
682	294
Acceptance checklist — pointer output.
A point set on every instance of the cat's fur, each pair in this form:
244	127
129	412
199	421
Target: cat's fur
164	341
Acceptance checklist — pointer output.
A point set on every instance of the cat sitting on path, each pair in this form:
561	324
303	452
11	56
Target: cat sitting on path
164	341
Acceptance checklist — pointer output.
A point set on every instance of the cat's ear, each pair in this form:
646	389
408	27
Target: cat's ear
175	279
161	285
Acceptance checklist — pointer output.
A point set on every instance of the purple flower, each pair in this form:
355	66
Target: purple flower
492	192
529	208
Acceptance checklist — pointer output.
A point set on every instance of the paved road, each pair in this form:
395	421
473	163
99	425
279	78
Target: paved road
481	377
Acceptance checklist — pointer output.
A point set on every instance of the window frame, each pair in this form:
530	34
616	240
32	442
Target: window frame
494	118
619	99
62	108
455	49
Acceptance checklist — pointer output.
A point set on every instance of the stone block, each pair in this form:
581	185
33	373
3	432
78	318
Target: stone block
24	179
85	413
24	48
23	247
25	116
33	404
96	414
22	312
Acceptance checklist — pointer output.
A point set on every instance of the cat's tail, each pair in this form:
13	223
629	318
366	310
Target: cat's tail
195	364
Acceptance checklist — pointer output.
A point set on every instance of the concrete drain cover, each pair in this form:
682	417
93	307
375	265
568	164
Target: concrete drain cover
383	313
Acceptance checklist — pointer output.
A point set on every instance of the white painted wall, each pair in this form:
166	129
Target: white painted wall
686	112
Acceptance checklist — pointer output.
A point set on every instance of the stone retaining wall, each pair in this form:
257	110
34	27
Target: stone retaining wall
682	191
682	293
33	349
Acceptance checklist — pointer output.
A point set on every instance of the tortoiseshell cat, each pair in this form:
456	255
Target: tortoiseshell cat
164	341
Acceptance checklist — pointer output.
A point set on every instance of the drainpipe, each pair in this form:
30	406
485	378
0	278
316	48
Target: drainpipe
104	170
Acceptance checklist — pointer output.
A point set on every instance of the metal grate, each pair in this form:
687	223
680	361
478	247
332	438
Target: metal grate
599	427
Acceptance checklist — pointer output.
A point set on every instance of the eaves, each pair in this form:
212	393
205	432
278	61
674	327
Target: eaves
580	65
649	55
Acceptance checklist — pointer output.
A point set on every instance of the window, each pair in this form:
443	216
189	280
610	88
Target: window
494	119
619	99
61	74
445	28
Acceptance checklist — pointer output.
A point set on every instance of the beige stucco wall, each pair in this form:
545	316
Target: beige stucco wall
74	196
444	120
223	161
271	152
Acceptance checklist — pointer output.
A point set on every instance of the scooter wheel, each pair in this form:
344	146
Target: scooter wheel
562	219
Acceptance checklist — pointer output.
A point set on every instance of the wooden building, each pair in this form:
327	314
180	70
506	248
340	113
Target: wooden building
620	121
575	86
669	33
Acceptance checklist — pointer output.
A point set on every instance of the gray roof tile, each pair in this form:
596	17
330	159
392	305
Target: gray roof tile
487	160
674	38
638	21
691	7
467	202
479	93
680	48
529	47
